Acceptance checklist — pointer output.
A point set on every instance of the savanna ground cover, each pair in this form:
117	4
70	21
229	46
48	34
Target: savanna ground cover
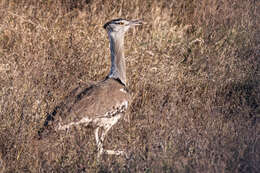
193	69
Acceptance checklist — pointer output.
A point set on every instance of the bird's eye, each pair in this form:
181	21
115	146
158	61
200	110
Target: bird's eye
121	23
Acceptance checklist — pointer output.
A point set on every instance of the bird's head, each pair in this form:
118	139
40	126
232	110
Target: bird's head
120	26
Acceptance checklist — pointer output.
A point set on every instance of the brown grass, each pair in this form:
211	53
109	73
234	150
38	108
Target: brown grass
194	69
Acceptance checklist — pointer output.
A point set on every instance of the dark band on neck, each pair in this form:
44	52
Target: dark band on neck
117	79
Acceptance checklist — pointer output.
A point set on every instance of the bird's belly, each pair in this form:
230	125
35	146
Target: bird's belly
99	121
84	121
107	121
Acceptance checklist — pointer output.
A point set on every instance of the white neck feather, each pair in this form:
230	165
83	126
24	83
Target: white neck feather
118	66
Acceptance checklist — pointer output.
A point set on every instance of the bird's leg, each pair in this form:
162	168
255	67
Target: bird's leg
110	152
103	135
100	140
99	143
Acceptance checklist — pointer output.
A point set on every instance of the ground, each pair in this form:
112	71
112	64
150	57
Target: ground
193	69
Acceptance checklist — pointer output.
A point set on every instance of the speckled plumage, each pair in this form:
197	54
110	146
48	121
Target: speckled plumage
99	105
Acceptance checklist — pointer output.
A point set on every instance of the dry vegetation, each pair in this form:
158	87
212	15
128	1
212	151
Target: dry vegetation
194	69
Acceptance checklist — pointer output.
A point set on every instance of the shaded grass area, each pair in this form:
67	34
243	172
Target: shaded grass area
193	70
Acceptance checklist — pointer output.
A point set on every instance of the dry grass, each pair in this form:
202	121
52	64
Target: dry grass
193	69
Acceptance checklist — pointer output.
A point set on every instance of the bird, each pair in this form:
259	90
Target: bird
99	105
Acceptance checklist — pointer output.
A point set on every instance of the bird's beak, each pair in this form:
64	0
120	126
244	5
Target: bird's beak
136	22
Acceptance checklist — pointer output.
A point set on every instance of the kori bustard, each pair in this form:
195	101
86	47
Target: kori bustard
103	104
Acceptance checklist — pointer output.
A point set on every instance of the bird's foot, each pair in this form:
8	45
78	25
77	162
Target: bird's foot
114	152
111	152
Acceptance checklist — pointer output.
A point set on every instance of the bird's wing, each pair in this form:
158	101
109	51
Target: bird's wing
88	103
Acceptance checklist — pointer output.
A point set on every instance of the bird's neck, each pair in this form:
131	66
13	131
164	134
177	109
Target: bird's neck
118	67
